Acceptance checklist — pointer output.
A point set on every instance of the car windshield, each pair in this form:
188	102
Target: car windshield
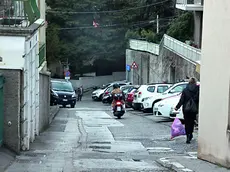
105	86
62	86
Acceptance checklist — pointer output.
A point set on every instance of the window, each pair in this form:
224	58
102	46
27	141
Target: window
62	86
110	89
178	89
151	89
161	89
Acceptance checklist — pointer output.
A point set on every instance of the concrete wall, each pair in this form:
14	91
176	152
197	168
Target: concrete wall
176	68
12	59
152	68
141	74
88	82
12	108
214	118
44	100
198	22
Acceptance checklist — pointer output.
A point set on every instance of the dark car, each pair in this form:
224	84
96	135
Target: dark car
62	93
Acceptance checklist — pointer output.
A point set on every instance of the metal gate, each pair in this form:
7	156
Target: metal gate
1	109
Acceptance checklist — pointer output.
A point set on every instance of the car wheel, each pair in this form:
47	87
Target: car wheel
100	97
73	105
64	106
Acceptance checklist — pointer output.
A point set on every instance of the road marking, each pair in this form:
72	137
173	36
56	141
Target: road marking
159	149
166	162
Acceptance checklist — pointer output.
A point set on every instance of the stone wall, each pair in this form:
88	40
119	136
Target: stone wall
12	108
168	66
44	100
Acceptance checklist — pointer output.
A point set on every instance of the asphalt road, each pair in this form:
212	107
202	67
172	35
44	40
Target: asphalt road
89	138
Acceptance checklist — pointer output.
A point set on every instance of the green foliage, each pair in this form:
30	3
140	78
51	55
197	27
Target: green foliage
182	28
82	42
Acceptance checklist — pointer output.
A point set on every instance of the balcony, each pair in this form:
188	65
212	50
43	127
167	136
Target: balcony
18	13
190	5
42	54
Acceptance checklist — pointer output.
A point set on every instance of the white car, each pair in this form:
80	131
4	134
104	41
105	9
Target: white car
145	91
166	107
148	102
97	94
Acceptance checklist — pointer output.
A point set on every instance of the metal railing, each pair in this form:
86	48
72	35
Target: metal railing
182	49
18	13
42	54
189	2
144	46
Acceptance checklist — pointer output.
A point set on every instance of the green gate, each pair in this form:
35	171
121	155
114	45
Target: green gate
1	109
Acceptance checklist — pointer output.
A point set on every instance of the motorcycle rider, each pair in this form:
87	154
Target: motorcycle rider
117	90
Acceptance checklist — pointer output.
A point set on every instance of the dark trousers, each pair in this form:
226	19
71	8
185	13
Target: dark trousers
189	121
79	97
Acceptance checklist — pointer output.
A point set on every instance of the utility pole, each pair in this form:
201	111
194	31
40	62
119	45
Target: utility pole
157	24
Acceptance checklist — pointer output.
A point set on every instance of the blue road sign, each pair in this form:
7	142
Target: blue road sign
67	73
128	67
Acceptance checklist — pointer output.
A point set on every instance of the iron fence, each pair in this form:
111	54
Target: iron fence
18	13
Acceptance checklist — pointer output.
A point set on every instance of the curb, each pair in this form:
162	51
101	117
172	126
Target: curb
54	114
175	166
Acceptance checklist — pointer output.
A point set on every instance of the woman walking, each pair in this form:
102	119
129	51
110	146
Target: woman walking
190	102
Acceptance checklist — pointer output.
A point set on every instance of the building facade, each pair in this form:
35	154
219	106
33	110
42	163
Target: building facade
214	118
22	51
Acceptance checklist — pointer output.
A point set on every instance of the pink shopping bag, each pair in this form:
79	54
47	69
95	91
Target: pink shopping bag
177	128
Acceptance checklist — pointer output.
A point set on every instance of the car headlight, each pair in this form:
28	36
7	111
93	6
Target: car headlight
55	94
74	95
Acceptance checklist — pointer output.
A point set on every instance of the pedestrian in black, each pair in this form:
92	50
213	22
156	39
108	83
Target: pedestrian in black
80	93
190	104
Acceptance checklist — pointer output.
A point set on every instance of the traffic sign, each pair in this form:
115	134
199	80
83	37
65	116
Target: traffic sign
128	67
134	65
67	74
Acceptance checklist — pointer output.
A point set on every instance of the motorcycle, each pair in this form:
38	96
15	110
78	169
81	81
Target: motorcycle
119	110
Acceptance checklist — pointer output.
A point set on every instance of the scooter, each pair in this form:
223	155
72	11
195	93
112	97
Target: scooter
119	110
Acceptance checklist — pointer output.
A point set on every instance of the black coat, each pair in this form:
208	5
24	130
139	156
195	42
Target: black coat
192	90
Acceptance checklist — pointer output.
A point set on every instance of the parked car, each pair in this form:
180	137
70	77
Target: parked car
168	99
148	102
147	91
130	96
107	96
62	93
98	94
166	107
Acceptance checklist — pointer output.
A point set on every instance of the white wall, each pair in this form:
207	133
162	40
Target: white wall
12	49
88	82
214	136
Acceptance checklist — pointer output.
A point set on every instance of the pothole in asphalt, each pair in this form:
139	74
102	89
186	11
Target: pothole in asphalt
100	147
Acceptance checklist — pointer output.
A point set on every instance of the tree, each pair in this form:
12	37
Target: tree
81	43
182	28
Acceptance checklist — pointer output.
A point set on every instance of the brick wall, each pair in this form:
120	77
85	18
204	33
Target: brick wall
44	100
12	108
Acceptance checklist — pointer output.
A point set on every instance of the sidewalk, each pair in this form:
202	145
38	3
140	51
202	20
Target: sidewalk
53	150
189	163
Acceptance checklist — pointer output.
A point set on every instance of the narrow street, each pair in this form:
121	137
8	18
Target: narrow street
89	138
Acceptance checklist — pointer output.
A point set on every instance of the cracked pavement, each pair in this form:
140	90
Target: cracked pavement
88	138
